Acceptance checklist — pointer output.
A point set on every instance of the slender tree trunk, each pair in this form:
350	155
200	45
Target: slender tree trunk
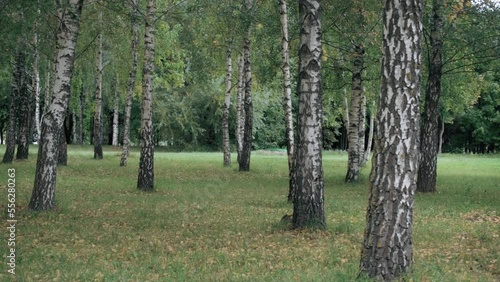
130	84
74	131
441	133
387	249
48	94
370	135
24	117
362	130
308	204
36	83
347	122
240	109
80	115
227	104
287	99
427	172
98	101
145	180
356	122
244	162
114	141
10	143
43	196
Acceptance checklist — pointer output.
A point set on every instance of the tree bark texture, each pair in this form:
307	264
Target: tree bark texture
24	116
308	204
356	119
131	83
98	101
43	195
225	110
240	109
368	149
17	74
244	161
116	113
36	82
287	99
145	179
427	172
48	94
387	249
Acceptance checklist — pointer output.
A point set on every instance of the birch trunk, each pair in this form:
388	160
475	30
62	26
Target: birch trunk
98	101
356	123
240	109
43	196
244	162
74	131
24	116
362	131
145	180
368	150
427	172
80	116
387	250
36	82
48	94
114	141
287	99
10	143
130	84
441	133
308	203
225	110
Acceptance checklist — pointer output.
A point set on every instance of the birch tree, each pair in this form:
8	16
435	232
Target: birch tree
287	98
24	114
116	113
240	109
145	180
308	203
131	82
246	150
427	172
387	250
43	195
227	104
98	99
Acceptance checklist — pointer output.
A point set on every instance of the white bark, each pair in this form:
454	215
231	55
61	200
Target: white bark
227	105
98	101
240	110
116	113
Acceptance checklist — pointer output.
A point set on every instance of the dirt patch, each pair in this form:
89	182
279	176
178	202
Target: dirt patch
491	217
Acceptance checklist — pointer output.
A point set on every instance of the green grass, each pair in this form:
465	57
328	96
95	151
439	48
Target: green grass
205	222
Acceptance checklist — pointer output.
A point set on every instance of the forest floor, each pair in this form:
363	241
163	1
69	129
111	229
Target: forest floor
205	222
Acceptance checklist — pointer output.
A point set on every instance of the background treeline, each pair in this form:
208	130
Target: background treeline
191	43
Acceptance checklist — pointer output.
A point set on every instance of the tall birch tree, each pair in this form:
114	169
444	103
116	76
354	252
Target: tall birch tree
287	98
387	250
308	203
227	105
116	113
427	172
240	109
246	150
98	99
134	45
43	195
145	179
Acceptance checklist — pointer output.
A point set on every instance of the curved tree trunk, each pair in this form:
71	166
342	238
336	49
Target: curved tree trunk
116	114
427	172
10	143
240	110
225	110
244	161
356	120
145	179
131	83
98	101
43	196
387	249
308	203
287	99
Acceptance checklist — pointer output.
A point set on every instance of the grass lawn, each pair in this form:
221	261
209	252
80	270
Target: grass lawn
205	222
